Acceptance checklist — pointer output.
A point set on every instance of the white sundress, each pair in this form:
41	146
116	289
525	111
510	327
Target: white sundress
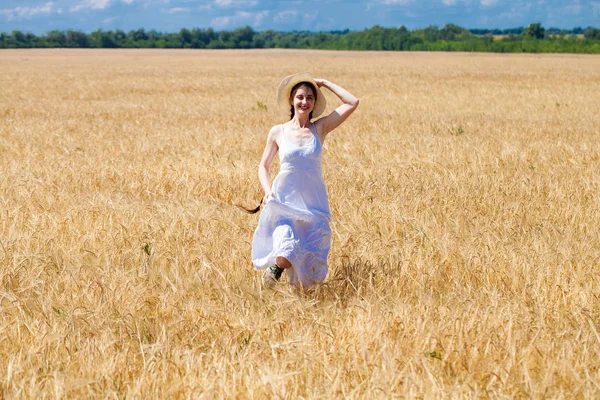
295	223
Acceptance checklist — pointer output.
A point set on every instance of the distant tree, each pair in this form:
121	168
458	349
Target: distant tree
288	40
226	40
120	38
258	42
18	36
216	44
77	39
592	33
173	41
431	33
104	40
201	37
56	38
448	38
452	32
96	39
535	31
153	37
514	31
242	37
488	39
186	37
271	38
17	40
137	38
32	40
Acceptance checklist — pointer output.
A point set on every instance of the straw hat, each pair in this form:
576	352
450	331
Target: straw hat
285	88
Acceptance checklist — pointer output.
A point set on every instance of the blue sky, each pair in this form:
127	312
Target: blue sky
40	16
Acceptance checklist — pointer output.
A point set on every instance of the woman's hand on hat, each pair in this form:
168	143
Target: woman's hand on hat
320	82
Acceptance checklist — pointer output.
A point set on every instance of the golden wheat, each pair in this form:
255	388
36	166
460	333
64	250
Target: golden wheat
464	263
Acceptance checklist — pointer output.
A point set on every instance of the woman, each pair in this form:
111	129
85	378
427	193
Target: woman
293	233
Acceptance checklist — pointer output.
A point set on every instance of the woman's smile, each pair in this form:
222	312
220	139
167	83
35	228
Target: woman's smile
304	100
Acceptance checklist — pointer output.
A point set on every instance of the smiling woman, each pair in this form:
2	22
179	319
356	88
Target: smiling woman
293	232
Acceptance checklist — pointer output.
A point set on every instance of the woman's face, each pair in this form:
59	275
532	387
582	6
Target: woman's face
304	100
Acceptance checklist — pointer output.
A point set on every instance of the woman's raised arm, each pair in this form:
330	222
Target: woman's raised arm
339	115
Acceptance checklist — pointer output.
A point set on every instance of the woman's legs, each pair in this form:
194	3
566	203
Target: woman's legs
283	241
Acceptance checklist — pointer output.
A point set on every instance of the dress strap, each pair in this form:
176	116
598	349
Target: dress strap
282	132
314	131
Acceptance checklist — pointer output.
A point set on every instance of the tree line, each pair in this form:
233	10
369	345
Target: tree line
533	38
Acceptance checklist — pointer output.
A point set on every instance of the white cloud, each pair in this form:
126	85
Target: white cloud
220	22
21	13
403	2
150	3
293	16
235	3
104	4
240	18
489	3
92	5
260	16
177	10
449	2
310	17
286	16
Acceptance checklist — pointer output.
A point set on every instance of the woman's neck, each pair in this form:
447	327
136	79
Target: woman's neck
300	122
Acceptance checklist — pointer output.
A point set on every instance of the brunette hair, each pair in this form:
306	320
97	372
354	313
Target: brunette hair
250	210
293	93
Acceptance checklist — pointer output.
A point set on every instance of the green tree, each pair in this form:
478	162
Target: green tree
226	40
17	40
535	31
452	32
201	37
56	38
120	38
488	39
592	33
137	38
76	39
186	37
431	34
106	40
242	37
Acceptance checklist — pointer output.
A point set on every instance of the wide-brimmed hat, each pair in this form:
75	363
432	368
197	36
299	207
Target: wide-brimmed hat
285	88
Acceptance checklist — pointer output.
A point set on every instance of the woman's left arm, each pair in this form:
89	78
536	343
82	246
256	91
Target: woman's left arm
339	115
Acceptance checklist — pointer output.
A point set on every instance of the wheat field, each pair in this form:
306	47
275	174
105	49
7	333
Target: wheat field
465	194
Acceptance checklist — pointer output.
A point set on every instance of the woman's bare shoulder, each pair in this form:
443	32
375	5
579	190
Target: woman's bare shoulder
274	132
